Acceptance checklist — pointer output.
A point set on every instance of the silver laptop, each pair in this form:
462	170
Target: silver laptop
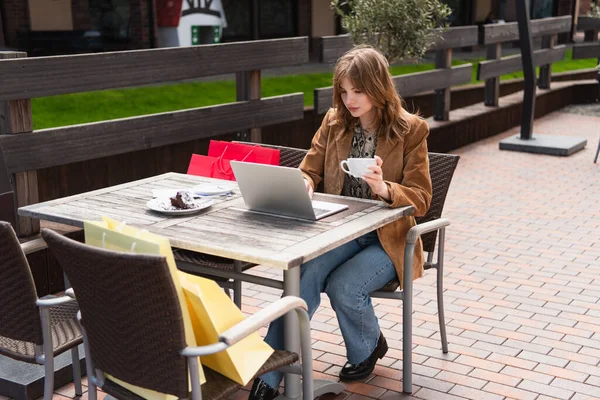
279	190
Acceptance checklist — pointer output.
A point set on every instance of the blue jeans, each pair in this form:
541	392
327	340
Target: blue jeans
348	274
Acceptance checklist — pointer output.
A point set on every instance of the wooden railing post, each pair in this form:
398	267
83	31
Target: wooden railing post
591	35
443	59
548	42
248	88
15	118
590	26
492	85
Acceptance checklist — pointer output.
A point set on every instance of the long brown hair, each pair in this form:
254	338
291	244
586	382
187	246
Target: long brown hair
368	70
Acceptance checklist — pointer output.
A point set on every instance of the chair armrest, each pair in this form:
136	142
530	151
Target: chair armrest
200	351
248	326
268	314
33	246
416	231
52	301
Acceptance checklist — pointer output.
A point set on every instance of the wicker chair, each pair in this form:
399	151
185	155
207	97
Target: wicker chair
7	202
7	207
441	169
133	328
206	264
31	329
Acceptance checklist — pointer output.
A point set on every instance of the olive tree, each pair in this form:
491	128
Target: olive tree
400	29
594	11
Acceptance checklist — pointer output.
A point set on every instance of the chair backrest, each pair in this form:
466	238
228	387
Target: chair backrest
7	200
130	311
7	208
441	169
19	315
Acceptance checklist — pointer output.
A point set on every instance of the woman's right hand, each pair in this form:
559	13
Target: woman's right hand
309	188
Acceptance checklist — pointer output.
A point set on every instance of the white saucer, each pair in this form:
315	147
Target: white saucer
160	205
212	189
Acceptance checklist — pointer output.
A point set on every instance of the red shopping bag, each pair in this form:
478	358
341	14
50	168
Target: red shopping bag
212	167
220	154
245	152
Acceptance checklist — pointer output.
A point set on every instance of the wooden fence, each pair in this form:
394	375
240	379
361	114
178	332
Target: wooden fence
27	155
23	152
444	76
590	48
494	35
440	79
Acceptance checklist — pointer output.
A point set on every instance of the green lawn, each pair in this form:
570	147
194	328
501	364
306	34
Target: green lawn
110	104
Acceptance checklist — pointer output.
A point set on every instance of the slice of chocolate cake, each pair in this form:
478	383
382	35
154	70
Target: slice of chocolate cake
183	200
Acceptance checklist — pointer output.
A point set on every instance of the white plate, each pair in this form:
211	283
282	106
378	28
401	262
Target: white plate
159	205
212	189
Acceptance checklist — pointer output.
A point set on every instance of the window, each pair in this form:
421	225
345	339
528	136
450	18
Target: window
110	18
2	25
461	11
239	20
275	19
541	8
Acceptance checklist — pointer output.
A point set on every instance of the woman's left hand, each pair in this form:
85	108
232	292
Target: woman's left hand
375	180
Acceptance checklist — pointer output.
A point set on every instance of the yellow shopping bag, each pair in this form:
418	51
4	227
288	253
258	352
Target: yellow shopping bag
212	313
116	236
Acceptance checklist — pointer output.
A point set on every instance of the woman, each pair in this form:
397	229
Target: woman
367	121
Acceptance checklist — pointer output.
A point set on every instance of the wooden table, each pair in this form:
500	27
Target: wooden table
227	229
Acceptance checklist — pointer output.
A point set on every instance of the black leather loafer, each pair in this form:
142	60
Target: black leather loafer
353	372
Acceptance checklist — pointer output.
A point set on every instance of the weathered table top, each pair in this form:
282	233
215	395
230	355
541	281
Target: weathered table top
226	228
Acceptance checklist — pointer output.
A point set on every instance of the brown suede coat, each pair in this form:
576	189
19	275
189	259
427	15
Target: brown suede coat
405	171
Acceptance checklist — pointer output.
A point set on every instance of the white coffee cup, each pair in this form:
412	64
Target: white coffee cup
357	167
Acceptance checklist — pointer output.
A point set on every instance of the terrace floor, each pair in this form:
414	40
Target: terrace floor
522	283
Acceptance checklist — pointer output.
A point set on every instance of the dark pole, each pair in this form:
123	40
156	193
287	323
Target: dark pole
528	68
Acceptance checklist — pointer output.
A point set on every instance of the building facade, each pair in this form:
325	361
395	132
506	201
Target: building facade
61	25
67	26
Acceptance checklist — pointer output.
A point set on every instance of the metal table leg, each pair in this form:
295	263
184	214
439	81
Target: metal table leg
293	386
291	287
237	285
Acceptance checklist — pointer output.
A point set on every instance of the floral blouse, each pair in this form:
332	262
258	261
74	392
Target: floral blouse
363	146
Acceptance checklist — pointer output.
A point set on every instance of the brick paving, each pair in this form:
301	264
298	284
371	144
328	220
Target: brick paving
522	284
